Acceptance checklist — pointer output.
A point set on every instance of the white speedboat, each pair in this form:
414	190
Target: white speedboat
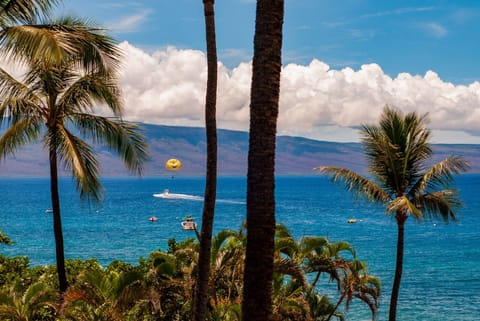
188	223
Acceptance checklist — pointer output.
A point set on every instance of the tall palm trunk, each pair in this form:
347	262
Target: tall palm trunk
201	290
401	218
57	222
265	92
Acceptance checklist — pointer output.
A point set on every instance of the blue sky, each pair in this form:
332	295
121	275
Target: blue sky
416	55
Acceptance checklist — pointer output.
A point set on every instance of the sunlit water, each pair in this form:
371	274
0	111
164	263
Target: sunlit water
441	279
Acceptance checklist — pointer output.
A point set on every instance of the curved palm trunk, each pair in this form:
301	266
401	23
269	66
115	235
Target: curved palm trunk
340	300
401	218
314	283
57	222
265	92
201	290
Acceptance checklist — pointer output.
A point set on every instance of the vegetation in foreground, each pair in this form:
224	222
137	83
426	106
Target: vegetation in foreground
161	286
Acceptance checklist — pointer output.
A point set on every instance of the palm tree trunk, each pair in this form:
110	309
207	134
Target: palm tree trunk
340	300
314	283
265	92
57	223
401	218
201	290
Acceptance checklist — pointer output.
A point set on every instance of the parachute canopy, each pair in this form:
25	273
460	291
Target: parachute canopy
173	164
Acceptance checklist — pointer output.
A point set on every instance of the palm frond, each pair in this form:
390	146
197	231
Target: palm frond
314	244
356	183
221	239
404	205
19	134
383	156
397	149
58	41
287	266
335	249
21	11
440	204
440	175
17	100
78	157
121	137
90	88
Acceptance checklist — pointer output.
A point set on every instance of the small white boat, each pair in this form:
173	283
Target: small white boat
153	219
164	194
189	224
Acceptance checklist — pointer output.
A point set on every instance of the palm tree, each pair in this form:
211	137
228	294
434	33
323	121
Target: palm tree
25	304
102	295
55	102
201	289
356	283
264	99
402	179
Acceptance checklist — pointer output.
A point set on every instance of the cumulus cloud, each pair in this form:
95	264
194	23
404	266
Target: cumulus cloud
168	87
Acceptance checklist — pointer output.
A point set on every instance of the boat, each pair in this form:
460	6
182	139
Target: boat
352	220
164	194
188	223
153	219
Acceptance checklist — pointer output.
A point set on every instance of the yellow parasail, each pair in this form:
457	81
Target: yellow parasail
173	164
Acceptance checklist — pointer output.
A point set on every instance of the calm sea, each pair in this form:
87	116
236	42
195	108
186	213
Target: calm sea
441	279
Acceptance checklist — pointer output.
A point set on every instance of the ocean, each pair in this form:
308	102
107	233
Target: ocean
441	276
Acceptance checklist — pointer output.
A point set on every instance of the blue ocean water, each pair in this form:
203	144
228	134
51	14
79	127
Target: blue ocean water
441	278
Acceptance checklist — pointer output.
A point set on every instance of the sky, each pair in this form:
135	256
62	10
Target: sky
343	61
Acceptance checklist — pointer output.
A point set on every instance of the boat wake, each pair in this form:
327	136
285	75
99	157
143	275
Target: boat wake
176	196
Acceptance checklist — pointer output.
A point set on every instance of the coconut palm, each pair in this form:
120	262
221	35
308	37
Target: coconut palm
264	100
399	158
201	289
55	102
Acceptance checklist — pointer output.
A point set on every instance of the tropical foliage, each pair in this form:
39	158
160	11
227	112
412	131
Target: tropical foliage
403	177
69	71
160	287
4	239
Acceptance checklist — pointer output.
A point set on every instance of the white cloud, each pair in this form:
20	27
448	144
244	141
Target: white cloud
399	11
130	23
434	29
168	87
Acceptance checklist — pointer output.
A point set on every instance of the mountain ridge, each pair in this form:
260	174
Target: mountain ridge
294	155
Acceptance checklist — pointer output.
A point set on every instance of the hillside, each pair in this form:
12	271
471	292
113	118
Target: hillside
295	155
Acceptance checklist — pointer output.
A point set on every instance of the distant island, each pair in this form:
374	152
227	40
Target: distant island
295	155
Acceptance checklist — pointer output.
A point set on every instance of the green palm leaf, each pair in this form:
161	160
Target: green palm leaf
57	41
356	183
